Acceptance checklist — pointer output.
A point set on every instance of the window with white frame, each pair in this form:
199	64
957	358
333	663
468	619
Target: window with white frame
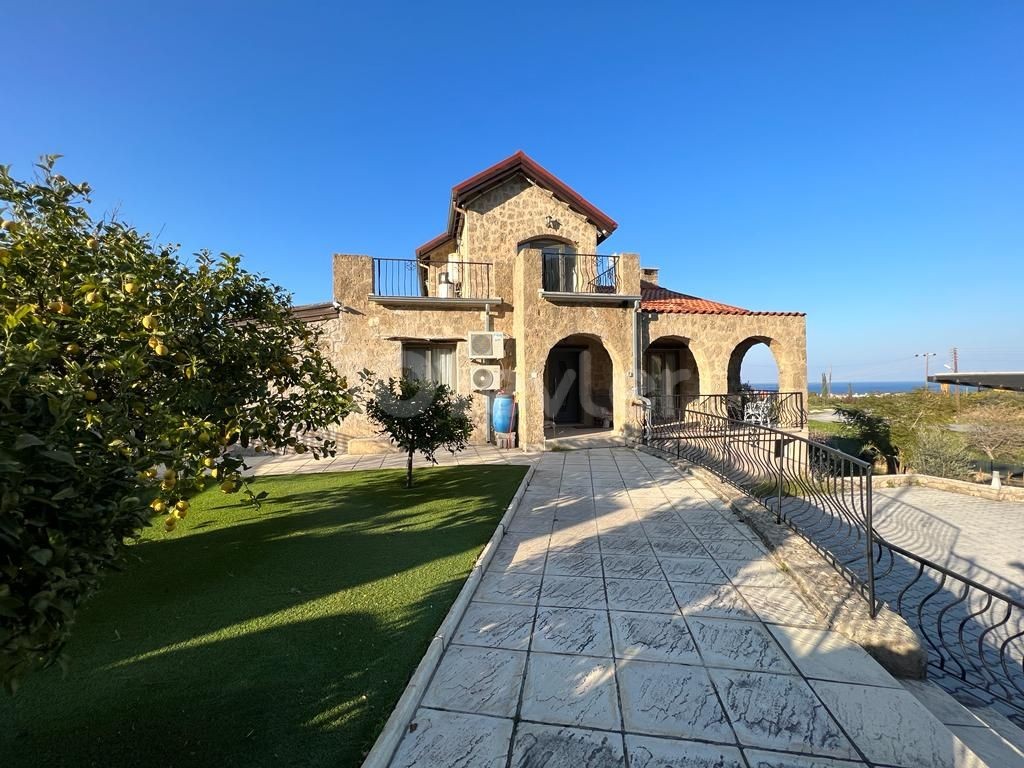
430	362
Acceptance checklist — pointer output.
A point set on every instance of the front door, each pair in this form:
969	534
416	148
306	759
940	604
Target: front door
563	385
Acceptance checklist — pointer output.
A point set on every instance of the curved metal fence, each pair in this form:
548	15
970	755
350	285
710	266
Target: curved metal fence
974	633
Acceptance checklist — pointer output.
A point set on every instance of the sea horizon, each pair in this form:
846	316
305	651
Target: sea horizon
859	387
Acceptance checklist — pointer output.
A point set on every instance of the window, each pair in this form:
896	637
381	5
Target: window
430	362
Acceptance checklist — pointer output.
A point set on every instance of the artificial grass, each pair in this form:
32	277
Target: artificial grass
279	636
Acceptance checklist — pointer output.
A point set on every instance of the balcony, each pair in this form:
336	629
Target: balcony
451	284
581	278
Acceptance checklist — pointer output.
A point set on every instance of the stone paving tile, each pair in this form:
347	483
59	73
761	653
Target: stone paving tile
700	570
755	573
892	727
670	700
639	595
571	690
828	655
572	631
552	746
653	637
716	600
483	681
654	752
515	588
676	546
454	740
780	712
572	564
632	567
496	626
738	645
622	544
573	592
780	606
760	759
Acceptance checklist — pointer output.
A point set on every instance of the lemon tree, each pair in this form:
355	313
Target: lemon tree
127	380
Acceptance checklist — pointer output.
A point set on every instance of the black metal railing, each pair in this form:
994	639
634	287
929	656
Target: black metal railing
973	632
784	410
411	278
580	273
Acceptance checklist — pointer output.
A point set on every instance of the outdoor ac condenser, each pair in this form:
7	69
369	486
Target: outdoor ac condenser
486	345
485	377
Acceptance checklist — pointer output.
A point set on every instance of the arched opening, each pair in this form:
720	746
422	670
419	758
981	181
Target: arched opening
559	266
752	365
578	385
671	378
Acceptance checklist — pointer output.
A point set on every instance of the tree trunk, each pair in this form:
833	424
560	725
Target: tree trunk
408	471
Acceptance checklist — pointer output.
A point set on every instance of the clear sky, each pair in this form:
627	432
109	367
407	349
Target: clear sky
859	161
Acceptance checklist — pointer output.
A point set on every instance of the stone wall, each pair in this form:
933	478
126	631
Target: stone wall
712	339
546	323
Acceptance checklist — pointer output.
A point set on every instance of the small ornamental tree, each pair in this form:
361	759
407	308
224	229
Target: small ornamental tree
125	374
418	416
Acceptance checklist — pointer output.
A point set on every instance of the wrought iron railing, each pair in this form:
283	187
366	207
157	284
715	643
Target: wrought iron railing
412	278
784	410
580	273
974	633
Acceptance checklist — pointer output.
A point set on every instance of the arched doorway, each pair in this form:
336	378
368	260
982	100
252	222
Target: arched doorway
578	385
558	263
671	377
753	365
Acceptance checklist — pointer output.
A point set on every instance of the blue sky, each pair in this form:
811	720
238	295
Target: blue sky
859	161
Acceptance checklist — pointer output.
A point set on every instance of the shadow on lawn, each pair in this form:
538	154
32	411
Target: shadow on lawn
282	640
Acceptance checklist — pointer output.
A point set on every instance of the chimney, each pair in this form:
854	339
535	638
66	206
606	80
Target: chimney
650	274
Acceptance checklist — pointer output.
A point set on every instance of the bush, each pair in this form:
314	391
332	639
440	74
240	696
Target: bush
418	416
937	451
117	359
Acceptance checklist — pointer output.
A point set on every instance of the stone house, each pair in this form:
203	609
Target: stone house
581	333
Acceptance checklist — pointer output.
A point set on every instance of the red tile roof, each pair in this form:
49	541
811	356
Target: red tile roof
654	298
520	163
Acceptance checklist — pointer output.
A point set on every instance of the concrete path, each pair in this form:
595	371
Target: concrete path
977	538
628	619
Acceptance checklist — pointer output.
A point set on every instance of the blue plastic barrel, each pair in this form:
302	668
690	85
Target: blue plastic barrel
502	412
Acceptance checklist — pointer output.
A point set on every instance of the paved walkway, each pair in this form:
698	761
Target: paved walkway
628	619
978	538
290	463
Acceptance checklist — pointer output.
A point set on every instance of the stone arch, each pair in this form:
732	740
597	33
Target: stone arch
735	380
579	382
676	373
536	241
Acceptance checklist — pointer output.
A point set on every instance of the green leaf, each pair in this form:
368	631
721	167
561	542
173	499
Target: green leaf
25	440
41	555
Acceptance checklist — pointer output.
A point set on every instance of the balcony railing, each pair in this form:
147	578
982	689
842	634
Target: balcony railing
580	273
414	279
782	410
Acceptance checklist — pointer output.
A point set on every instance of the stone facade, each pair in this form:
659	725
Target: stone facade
498	227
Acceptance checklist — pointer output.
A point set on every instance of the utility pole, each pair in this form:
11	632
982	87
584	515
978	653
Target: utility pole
956	369
925	355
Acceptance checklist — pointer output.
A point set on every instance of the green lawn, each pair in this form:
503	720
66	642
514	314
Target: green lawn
273	637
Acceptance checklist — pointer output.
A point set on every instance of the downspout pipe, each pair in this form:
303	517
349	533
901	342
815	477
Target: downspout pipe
636	348
489	326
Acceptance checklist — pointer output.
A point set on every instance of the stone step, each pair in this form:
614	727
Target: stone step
993	738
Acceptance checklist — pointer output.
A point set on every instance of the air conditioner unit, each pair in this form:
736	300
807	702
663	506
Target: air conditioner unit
485	377
486	345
